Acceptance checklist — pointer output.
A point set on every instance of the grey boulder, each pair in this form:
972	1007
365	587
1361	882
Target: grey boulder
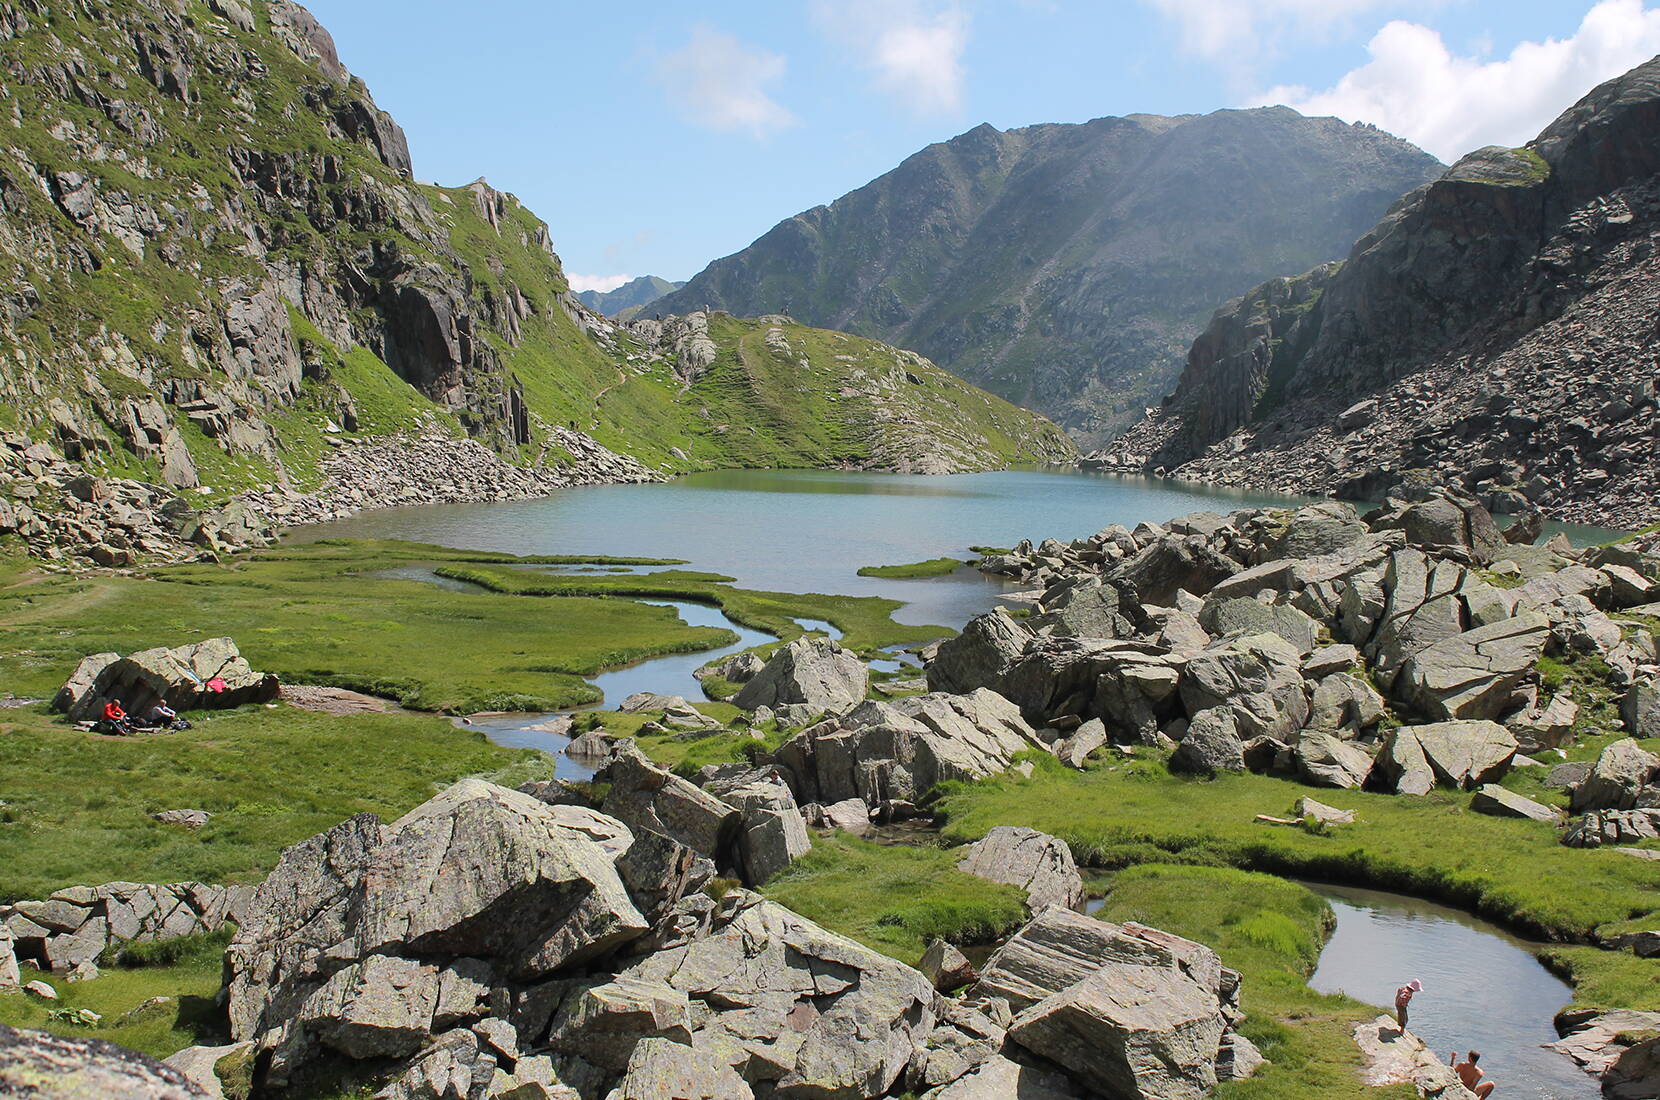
1257	676
810	671
50	1067
1621	772
1472	675
1036	862
1490	798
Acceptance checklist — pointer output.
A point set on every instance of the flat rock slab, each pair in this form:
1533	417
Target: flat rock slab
1495	800
1396	1057
50	1067
332	700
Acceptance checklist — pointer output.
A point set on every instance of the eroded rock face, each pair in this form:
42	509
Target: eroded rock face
644	796
51	1067
1621	772
1258	677
1036	862
815	672
1471	675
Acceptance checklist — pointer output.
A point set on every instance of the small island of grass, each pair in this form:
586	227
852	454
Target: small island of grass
933	567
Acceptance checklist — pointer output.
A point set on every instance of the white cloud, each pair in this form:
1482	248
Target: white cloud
913	49
602	283
1414	86
718	82
1236	31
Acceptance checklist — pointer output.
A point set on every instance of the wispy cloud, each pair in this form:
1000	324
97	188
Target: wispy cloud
718	82
913	49
602	283
1414	86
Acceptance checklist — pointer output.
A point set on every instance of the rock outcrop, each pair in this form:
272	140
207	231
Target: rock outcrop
899	751
69	931
191	677
1430	673
1126	1010
1493	327
810	671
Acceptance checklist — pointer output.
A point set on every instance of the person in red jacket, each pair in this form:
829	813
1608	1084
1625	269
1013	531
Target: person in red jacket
116	718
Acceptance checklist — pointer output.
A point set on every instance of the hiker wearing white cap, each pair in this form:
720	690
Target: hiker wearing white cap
1403	997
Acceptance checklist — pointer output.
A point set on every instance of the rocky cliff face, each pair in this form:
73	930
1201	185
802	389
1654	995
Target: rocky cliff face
1497	325
1067	267
216	270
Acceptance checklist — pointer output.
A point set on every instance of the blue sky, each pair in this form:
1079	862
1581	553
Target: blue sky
654	136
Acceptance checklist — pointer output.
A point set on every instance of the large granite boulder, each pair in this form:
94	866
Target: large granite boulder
978	657
1257	676
1346	705
811	1013
1416	759
1473	674
1447	521
1622	771
1490	798
772	833
1240	615
810	671
1170	565
644	796
338	942
1128	1011
178	677
900	750
1036	862
1640	708
1212	744
1325	760
661	1069
39	1066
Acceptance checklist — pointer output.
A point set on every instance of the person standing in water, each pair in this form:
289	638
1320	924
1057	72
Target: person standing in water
1403	997
1469	1073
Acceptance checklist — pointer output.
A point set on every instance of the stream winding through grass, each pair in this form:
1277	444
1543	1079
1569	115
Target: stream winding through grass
810	531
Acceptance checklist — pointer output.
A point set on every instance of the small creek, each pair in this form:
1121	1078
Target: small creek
1484	989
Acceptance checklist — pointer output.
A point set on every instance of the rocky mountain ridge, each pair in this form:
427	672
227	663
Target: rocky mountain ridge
1496	328
1067	267
217	269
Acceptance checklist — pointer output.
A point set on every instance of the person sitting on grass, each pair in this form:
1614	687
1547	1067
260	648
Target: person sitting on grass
115	717
1470	1074
162	716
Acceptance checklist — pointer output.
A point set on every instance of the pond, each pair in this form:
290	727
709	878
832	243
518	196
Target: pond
1484	989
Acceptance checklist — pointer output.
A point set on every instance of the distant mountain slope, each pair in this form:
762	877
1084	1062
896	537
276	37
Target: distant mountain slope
1067	267
1498	326
630	296
216	265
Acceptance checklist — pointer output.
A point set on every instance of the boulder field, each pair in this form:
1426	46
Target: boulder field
490	944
